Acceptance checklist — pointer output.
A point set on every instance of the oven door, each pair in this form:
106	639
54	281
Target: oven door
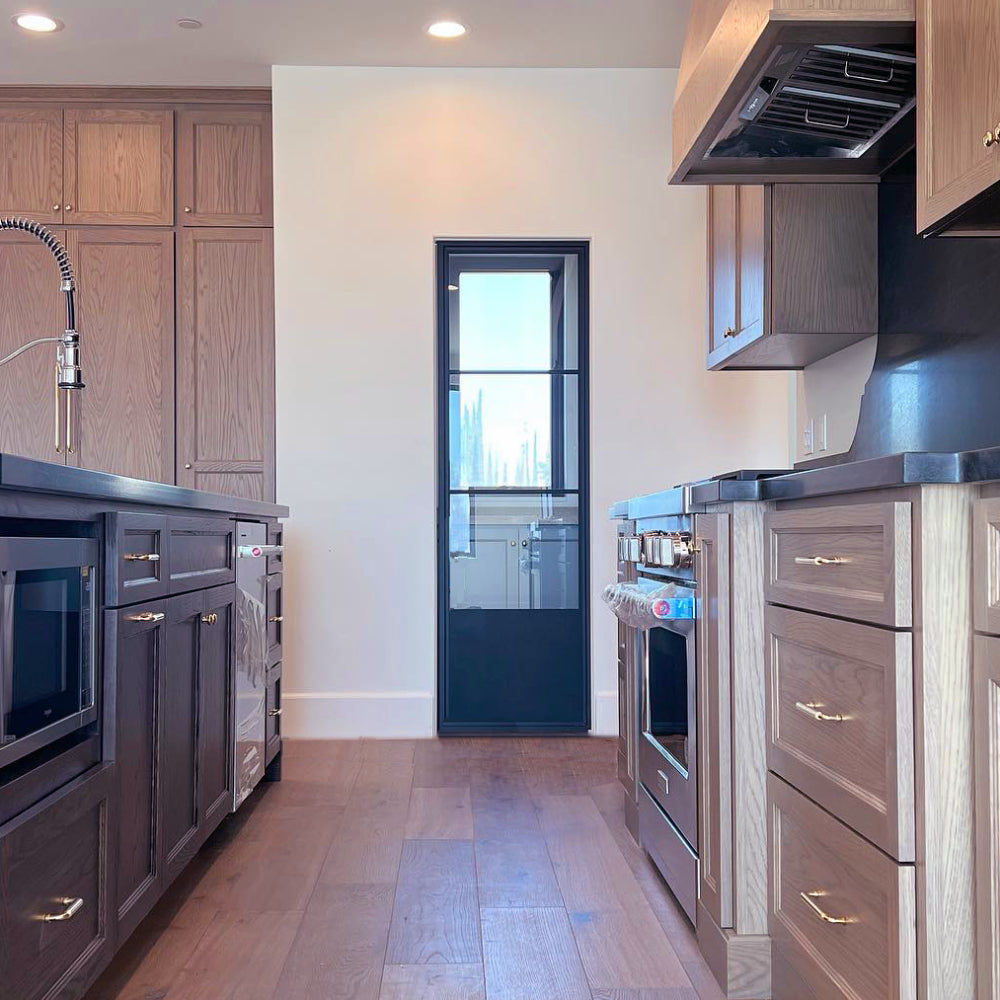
667	748
47	644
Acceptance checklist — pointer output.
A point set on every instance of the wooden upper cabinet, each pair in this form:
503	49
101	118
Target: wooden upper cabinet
31	163
224	168
958	123
119	167
28	401
225	362
124	418
792	272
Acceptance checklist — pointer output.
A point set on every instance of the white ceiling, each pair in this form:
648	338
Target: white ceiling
121	42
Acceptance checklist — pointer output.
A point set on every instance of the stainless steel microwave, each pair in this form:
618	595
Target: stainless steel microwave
48	613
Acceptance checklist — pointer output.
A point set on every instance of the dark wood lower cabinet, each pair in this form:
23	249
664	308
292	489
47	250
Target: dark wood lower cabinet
173	664
56	923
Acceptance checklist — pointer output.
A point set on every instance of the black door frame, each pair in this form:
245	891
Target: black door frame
444	249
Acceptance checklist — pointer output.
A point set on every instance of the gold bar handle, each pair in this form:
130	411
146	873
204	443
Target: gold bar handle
812	709
274	713
821	560
210	619
809	899
141	557
146	616
58	434
276	619
73	907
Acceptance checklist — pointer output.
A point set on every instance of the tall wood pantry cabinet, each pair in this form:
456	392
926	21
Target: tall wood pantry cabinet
164	201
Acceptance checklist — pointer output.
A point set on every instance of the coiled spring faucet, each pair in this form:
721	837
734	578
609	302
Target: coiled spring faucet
70	375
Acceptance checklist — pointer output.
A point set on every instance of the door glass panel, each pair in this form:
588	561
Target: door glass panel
514	431
668	692
514	552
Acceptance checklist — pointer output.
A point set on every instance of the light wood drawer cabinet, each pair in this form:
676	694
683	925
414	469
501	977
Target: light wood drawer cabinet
852	561
986	556
31	163
840	721
842	913
987	739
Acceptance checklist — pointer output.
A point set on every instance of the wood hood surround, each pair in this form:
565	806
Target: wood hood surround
726	46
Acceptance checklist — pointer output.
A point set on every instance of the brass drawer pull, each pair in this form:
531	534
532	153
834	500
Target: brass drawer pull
274	713
146	616
276	619
812	709
821	560
810	897
728	333
73	907
141	557
210	619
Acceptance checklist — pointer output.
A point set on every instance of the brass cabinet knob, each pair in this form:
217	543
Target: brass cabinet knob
730	332
68	208
210	619
989	139
55	208
187	465
187	208
276	619
274	713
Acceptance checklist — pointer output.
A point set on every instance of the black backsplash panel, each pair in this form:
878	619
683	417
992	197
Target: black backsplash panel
936	381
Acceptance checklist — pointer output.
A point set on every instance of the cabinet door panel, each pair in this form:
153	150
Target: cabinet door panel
31	163
28	387
134	642
225	361
723	255
751	270
119	167
125	315
715	794
179	742
215	687
958	102
987	735
224	168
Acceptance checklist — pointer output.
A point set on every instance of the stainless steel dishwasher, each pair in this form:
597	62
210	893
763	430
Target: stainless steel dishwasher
252	551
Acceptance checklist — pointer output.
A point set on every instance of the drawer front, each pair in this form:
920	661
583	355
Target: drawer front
275	536
676	861
202	553
54	863
852	561
137	558
275	618
273	722
675	793
986	556
842	914
840	721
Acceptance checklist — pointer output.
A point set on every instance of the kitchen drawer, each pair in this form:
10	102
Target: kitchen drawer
672	789
54	862
840	721
850	561
842	914
275	536
275	618
986	557
273	720
137	558
202	552
671	854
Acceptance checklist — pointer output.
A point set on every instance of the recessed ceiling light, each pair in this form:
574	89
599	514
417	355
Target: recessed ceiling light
37	22
191	23
446	29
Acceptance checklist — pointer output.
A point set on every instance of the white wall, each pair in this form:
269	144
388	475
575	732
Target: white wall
371	165
832	388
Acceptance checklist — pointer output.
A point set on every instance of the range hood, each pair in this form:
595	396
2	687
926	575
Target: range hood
766	92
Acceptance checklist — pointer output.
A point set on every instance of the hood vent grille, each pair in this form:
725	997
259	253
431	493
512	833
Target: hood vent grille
810	112
873	72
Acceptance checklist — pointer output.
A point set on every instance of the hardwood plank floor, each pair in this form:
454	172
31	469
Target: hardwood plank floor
453	869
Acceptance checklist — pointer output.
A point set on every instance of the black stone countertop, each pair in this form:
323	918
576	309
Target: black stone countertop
29	475
905	469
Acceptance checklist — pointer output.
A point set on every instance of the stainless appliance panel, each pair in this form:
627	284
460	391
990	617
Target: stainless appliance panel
250	718
670	853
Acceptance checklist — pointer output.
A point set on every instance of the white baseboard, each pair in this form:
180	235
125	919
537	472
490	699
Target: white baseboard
605	721
338	715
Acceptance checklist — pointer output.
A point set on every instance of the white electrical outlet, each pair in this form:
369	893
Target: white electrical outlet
809	437
823	439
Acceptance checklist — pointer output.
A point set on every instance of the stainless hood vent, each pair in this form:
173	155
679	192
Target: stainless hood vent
829	101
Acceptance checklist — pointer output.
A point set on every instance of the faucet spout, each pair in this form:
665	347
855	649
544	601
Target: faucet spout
68	349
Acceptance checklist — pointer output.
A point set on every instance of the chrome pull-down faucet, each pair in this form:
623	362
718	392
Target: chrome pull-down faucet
70	375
